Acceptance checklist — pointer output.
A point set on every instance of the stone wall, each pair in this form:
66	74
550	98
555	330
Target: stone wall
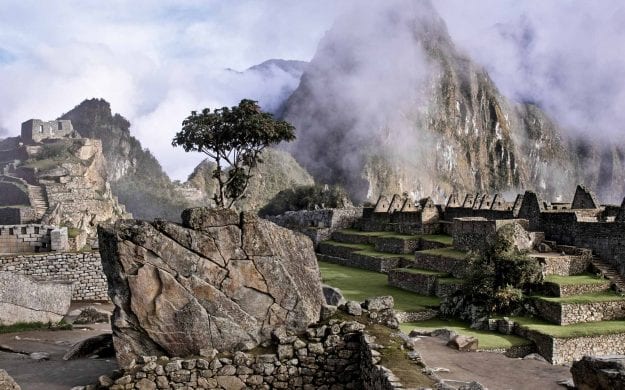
318	225
456	267
369	263
25	238
84	269
566	290
473	233
566	350
564	265
339	355
565	314
420	283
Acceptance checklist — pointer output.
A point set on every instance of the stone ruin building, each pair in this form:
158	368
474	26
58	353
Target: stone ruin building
53	194
53	189
584	222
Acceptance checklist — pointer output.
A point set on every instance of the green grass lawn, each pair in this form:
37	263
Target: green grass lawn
576	279
419	271
357	284
488	340
440	238
356	247
603	296
574	330
446	252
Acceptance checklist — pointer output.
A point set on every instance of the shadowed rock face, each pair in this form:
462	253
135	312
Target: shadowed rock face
220	280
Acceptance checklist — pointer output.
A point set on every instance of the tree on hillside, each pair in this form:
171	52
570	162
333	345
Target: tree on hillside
234	138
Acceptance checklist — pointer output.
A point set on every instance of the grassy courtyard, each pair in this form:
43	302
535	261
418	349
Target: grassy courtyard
357	284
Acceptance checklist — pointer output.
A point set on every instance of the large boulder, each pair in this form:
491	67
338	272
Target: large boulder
7	383
599	372
220	280
24	299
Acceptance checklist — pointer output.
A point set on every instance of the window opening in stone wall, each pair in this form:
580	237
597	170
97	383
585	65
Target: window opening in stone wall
23	230
41	128
10	231
36	229
60	124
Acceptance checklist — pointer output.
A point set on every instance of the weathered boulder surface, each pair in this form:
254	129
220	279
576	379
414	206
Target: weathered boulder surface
7	383
599	372
220	280
23	299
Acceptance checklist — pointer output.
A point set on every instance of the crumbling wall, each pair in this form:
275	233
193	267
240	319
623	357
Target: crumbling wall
83	269
318	225
25	238
339	355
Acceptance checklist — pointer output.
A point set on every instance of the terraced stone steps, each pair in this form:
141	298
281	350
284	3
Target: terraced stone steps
360	256
420	281
445	260
568	286
392	242
38	200
575	309
609	272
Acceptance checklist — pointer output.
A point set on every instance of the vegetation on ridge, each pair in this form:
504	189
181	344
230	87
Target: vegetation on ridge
234	138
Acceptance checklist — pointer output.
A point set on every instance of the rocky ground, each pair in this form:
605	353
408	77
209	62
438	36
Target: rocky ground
52	373
493	370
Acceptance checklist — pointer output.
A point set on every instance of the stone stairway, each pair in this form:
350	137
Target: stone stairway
609	272
38	200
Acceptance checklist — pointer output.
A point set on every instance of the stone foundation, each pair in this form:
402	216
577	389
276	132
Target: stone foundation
336	355
420	283
376	264
564	351
84	269
25	238
456	267
565	314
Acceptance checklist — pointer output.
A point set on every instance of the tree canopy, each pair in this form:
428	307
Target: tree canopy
234	138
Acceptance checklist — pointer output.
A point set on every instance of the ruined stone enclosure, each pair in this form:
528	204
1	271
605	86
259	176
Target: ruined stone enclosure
578	244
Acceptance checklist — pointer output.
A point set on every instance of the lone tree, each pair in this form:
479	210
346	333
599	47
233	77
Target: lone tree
234	138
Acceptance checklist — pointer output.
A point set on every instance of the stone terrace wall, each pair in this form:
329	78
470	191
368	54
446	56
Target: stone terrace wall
473	233
334	356
565	351
565	314
25	238
318	225
84	269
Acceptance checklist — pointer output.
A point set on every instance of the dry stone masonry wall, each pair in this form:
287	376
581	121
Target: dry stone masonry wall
83	269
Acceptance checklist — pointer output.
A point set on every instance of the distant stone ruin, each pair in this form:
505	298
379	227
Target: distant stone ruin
51	177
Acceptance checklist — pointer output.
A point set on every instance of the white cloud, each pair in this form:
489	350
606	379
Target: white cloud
153	61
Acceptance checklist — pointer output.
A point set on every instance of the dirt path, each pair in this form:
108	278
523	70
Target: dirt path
492	370
56	373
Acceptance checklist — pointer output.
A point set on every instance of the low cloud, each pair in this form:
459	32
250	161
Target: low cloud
153	61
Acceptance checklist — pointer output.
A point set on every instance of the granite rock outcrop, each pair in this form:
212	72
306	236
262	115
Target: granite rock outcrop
220	280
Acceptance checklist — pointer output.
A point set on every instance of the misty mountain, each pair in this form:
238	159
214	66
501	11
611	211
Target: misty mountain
390	104
140	183
136	177
270	82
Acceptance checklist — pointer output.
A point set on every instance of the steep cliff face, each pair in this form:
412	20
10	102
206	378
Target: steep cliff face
139	181
136	176
389	104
